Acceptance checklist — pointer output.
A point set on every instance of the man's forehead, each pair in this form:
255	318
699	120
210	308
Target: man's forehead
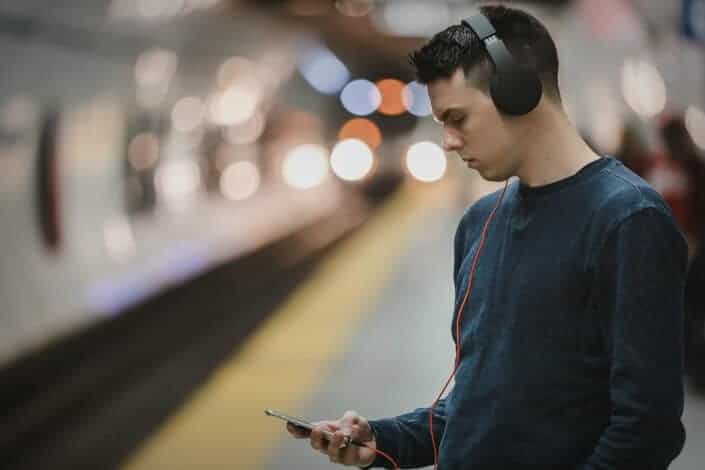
449	93
444	86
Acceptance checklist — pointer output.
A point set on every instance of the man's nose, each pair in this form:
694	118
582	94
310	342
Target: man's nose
451	142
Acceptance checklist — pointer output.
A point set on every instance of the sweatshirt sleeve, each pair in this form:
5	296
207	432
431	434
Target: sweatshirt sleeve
407	439
641	276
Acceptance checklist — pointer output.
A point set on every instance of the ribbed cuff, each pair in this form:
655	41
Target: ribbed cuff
385	431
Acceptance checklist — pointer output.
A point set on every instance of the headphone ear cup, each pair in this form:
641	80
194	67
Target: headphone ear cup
516	91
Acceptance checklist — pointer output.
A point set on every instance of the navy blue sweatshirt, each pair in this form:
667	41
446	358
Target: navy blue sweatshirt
572	338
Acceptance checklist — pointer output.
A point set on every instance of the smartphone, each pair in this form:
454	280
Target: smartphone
305	425
296	422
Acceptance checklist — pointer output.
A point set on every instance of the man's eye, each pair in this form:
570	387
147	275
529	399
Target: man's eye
458	120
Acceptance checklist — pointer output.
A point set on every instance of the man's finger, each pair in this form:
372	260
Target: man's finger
318	439
297	432
350	455
349	418
335	447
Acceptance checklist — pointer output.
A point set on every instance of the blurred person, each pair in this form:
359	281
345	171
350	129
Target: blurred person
569	287
632	152
695	319
679	174
688	203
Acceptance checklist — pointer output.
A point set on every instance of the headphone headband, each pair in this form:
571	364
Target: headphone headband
515	90
481	27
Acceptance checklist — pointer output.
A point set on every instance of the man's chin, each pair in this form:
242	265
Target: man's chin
492	176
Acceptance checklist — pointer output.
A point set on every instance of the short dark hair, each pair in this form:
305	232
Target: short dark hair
526	38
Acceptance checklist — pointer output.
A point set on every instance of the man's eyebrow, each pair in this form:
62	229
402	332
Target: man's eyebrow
444	114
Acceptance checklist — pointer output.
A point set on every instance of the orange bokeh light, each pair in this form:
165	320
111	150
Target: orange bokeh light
362	129
391	91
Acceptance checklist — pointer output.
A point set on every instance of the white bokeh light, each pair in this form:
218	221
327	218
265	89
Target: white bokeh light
412	18
119	239
188	114
695	123
426	161
154	71
246	132
305	166
155	66
643	87
240	180
236	104
605	121
351	160
177	182
233	69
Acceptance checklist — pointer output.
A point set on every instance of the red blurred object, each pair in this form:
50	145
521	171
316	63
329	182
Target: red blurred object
670	178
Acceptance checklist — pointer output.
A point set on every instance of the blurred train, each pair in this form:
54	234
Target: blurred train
137	152
147	144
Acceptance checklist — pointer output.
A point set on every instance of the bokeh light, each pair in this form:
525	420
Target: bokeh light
143	151
155	66
605	119
361	97
233	69
188	114
643	87
412	18
695	123
236	104
246	132
391	91
351	160
239	180
416	100
177	182
323	70
426	161
305	166
119	239
154	71
361	129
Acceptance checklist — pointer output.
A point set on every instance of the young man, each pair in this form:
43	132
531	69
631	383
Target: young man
571	339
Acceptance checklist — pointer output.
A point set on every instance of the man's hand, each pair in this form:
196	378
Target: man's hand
352	425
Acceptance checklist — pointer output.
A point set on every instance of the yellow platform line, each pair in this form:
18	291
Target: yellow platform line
222	425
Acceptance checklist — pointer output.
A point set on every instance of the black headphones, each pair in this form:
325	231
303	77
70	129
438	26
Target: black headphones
515	89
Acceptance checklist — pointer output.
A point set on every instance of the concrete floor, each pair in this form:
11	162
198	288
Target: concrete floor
402	354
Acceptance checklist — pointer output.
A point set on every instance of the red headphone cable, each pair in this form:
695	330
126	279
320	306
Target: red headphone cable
460	315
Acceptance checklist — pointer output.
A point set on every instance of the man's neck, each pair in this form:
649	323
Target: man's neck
554	149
